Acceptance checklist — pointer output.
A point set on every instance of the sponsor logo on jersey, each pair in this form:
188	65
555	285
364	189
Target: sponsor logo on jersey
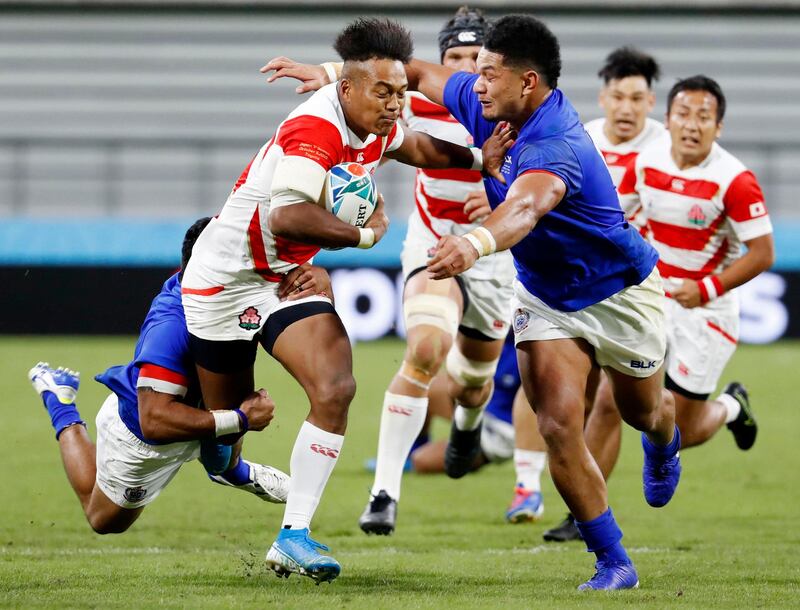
696	216
506	169
135	494
399	410
678	185
323	450
360	157
249	319
521	319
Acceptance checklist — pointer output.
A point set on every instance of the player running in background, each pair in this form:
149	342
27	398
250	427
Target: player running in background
627	97
459	323
151	424
587	293
702	205
271	223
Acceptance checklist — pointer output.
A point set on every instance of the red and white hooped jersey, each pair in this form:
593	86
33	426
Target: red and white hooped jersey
440	194
697	218
237	246
619	157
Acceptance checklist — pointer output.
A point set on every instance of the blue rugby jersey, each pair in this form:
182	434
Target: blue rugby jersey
582	251
161	358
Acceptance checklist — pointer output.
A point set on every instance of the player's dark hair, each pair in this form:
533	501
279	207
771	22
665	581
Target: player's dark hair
699	82
191	236
374	38
466	28
526	42
630	61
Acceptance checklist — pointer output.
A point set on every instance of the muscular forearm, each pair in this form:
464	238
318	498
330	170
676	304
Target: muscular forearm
167	420
422	150
511	221
308	223
758	258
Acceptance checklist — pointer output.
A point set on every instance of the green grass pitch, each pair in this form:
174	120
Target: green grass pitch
728	539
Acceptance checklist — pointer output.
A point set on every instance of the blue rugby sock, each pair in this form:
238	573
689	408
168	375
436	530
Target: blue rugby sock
422	439
602	536
663	451
61	415
239	474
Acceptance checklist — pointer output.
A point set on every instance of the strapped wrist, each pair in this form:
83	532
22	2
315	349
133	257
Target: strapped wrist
477	159
228	421
333	70
366	239
482	240
710	288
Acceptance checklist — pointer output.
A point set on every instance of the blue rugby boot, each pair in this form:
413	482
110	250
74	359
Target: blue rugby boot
58	389
611	576
527	506
661	471
295	551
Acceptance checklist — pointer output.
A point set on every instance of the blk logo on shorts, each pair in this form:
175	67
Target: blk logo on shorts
249	319
643	364
135	494
521	319
323	450
399	410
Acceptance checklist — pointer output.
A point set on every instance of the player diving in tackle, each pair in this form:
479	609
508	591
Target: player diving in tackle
587	292
271	223
150	425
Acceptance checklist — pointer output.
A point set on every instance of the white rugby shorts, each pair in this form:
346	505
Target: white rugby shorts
497	439
626	329
237	312
488	284
701	341
130	472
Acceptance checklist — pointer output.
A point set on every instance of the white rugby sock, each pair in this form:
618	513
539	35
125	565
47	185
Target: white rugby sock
314	455
402	419
529	466
469	419
731	405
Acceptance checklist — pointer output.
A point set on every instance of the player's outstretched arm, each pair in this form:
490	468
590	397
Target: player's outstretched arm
425	77
422	150
165	419
530	197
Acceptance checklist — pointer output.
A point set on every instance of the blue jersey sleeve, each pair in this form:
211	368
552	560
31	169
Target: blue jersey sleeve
462	102
554	157
165	344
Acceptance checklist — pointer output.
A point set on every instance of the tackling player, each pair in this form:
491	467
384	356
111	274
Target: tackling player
587	293
459	323
701	205
627	97
271	223
150	425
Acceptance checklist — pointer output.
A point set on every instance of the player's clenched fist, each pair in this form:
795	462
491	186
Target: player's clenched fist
454	255
259	409
378	222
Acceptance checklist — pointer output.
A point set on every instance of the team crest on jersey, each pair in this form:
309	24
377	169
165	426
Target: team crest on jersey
521	319
249	319
135	494
696	216
678	185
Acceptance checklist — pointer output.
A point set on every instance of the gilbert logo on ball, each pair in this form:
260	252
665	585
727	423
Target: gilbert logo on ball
350	193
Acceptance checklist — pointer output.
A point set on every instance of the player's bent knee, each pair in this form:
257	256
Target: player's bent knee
337	393
470	373
102	525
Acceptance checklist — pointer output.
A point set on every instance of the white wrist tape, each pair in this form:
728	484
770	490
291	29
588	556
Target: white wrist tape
477	159
330	70
483	241
226	422
367	239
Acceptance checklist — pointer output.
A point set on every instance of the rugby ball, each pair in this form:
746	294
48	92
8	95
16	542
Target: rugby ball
350	193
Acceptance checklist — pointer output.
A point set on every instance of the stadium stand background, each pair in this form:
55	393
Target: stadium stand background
122	122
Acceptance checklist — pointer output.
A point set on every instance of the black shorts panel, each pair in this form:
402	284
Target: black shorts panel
223	356
670	384
283	318
472	333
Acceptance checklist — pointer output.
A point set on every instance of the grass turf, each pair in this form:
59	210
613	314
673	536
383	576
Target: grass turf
727	539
